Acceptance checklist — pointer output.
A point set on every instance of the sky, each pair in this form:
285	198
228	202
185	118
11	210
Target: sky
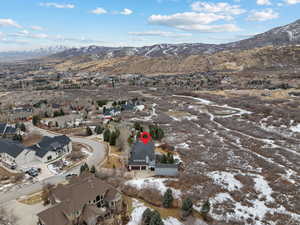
31	24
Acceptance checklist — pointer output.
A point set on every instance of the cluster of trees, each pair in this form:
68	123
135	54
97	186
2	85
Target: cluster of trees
137	126
88	131
156	132
21	126
168	198
101	103
58	113
151	218
187	207
17	137
167	158
85	169
99	129
111	136
36	120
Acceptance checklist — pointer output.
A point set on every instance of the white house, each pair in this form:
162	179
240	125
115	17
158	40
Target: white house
48	149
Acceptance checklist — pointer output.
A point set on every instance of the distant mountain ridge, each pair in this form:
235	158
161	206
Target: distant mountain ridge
284	35
30	54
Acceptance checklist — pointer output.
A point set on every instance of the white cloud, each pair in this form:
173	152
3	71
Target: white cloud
160	34
263	15
9	23
126	12
36	28
57	5
220	8
263	2
186	18
292	2
99	11
192	21
27	34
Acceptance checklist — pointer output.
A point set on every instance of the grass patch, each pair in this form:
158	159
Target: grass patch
32	199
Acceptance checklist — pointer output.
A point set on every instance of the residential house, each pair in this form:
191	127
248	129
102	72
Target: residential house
86	199
7	131
14	154
142	157
51	148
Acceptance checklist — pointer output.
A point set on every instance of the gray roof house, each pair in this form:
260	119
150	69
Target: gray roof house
48	149
7	130
142	156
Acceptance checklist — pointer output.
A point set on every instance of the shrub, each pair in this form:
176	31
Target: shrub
168	198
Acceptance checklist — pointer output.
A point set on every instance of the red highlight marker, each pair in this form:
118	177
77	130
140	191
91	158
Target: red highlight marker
145	137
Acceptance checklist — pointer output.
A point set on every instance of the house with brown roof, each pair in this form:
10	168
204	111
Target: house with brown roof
85	200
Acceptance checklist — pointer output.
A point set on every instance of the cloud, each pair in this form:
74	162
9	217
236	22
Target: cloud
263	15
36	28
292	2
263	2
99	11
126	12
160	34
192	21
9	23
57	5
220	8
186	18
27	34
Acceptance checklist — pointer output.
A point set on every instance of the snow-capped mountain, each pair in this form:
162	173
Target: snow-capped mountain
30	54
285	35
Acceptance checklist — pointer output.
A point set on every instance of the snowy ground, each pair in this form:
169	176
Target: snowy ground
153	183
139	208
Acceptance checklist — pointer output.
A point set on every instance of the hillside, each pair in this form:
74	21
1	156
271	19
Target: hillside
259	58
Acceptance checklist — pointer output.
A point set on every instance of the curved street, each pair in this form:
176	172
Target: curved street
95	158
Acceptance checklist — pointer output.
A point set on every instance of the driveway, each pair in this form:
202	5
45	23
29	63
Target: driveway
95	158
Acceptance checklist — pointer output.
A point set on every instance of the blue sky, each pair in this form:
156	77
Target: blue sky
29	24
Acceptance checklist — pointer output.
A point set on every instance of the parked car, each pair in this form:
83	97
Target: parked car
33	172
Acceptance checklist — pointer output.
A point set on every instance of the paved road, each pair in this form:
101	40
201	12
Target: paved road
95	158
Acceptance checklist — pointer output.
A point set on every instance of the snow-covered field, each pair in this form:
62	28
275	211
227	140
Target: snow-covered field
153	183
139	208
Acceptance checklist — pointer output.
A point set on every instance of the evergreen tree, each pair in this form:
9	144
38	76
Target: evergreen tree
106	135
156	219
89	132
187	206
170	158
84	168
205	210
146	217
22	127
168	198
98	129
113	138
93	169
36	120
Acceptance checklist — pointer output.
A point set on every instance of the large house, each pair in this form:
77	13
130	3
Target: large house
142	157
7	131
85	200
14	154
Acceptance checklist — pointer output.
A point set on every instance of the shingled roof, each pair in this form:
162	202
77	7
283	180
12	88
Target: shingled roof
10	147
140	151
74	196
50	144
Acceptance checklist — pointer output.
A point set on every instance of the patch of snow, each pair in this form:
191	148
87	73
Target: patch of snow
182	145
226	180
172	221
153	183
137	213
262	186
295	128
